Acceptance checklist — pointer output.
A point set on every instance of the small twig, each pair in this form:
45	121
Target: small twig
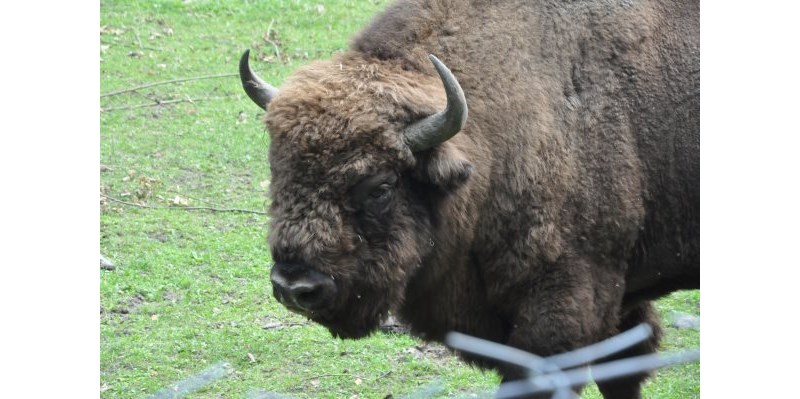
269	28
384	374
270	41
162	102
281	325
331	375
185	208
138	39
114	93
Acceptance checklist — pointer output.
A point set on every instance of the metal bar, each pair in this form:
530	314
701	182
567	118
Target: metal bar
602	372
610	346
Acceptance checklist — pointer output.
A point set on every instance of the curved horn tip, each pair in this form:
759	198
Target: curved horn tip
440	127
257	89
436	61
453	90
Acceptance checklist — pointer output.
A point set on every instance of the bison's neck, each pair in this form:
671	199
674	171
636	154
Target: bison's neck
438	301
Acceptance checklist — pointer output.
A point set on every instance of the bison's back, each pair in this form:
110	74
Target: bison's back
583	124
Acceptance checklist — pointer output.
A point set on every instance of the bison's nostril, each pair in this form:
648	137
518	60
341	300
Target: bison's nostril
307	297
301	288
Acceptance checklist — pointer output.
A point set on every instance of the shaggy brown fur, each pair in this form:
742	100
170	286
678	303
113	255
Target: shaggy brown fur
569	200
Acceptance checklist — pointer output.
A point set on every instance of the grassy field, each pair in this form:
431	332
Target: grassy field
191	286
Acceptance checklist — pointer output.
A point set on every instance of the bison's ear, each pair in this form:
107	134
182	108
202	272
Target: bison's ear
444	166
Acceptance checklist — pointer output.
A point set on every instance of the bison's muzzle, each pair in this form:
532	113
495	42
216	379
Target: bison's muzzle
302	289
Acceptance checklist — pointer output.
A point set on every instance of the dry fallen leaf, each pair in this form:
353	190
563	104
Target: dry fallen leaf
179	201
111	31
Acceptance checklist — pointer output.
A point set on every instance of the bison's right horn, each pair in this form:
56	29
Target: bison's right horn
441	126
258	90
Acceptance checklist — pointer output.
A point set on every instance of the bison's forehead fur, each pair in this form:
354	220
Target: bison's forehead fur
345	116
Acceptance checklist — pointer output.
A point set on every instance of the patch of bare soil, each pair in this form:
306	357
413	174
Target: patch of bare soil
123	309
129	305
171	297
435	352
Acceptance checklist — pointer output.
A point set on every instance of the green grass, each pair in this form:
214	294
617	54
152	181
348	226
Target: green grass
191	288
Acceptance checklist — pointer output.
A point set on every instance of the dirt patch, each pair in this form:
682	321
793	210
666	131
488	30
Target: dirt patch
174	237
171	297
231	297
434	352
160	237
122	310
129	305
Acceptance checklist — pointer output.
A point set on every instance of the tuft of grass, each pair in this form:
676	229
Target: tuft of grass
191	288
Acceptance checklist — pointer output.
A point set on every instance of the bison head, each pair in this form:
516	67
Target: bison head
360	161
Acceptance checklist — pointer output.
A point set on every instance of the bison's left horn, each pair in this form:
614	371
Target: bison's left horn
441	126
258	90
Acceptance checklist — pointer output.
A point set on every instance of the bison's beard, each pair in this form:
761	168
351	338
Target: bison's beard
360	314
346	329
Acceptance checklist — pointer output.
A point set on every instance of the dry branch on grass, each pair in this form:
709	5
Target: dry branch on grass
185	208
158	102
144	86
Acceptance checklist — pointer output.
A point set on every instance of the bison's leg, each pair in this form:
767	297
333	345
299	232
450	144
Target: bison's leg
565	306
548	338
630	387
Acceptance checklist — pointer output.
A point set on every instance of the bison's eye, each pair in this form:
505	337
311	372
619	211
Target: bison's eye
374	193
378	199
381	192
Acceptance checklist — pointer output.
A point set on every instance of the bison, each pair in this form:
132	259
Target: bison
521	171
